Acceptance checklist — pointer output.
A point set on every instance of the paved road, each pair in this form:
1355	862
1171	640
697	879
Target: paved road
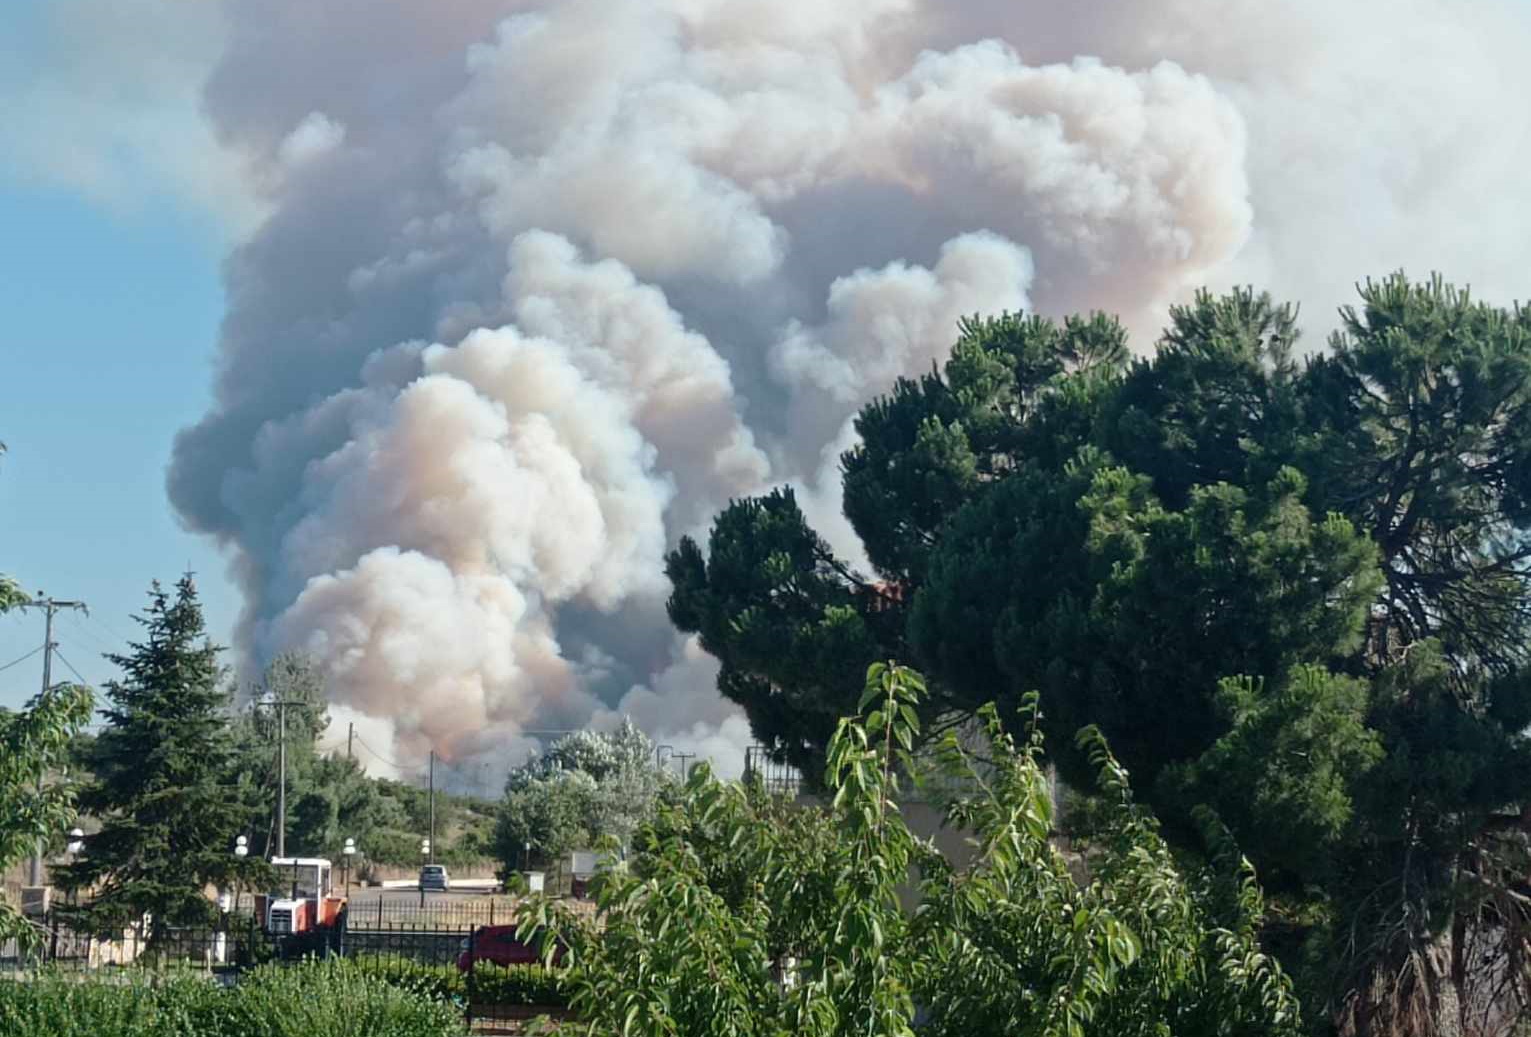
370	896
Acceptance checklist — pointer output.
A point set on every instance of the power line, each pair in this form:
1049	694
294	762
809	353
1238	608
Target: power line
69	664
101	623
392	763
88	632
24	658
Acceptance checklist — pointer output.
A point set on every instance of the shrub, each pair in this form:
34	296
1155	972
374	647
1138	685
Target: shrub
438	982
492	984
314	999
124	1005
333	997
519	985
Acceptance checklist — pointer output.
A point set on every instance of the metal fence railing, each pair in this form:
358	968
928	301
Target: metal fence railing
399	912
439	959
779	779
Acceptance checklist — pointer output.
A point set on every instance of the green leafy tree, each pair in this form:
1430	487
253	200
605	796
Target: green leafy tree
585	787
741	916
164	790
330	797
312	806
1293	591
550	814
32	741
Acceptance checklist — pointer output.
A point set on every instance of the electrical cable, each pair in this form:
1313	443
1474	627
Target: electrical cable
91	616
24	658
392	763
81	628
66	662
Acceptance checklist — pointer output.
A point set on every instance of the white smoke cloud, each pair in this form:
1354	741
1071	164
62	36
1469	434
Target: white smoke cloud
665	250
627	334
887	323
680	708
315	136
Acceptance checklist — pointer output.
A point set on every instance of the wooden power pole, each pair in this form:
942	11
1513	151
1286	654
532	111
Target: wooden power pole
49	607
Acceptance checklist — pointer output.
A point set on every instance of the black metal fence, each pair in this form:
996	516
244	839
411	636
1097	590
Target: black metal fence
436	961
778	778
400	912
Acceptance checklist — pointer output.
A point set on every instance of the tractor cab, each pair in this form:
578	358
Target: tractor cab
304	899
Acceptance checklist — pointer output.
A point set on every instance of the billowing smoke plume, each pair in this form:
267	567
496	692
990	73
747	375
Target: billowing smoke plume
535	286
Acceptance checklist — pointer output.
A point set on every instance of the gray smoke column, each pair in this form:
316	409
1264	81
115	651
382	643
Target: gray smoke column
542	285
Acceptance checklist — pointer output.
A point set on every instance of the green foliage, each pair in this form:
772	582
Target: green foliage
1295	591
585	788
330	798
1284	771
792	626
1419	436
32	740
165	791
11	593
731	893
490	984
315	999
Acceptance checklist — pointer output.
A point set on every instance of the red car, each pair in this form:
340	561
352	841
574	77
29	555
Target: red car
498	944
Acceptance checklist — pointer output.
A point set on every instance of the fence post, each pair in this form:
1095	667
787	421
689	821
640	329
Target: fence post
472	971
380	910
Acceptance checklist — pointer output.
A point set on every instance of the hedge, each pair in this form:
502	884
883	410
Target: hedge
313	999
492	984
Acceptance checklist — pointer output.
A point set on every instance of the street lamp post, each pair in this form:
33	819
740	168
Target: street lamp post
348	851
425	856
73	847
241	851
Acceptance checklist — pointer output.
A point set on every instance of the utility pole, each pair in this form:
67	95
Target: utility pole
350	735
49	607
280	705
281	781
433	806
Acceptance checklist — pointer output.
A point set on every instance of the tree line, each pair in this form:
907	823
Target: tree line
183	764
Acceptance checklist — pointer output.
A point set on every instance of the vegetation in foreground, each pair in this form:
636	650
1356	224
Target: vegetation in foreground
314	999
731	891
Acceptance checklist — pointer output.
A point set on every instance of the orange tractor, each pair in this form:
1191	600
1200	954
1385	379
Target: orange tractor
306	902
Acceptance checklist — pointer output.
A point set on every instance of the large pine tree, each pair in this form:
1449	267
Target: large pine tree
165	788
1293	591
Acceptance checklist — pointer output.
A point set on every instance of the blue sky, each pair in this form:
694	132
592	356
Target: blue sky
110	318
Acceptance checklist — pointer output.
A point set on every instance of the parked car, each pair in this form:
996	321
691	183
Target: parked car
499	945
434	876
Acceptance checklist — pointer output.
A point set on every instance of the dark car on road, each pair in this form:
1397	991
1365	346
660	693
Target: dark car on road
499	945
